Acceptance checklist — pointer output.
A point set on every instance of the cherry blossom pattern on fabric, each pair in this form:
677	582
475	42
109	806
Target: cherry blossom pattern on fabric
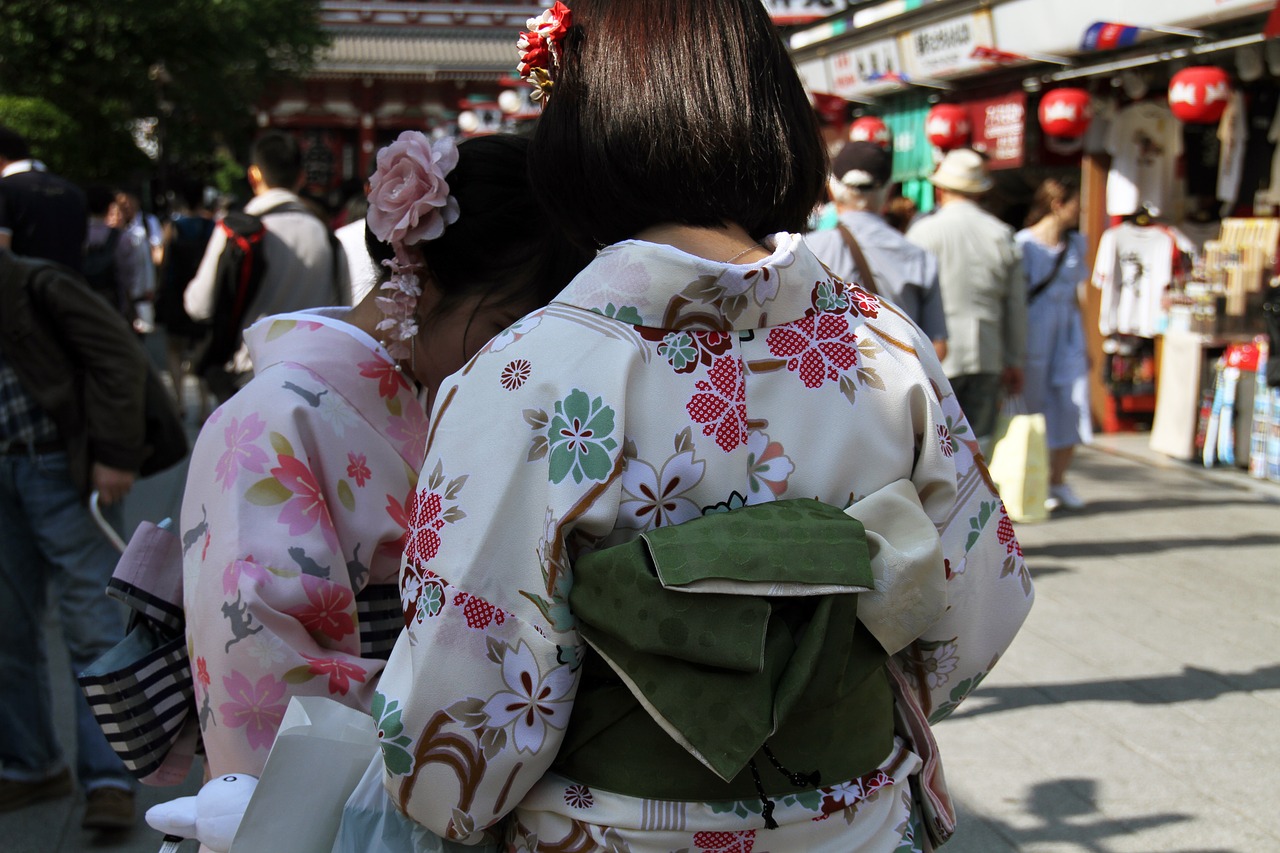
390	380
653	498
720	405
358	469
687	349
329	614
945	441
577	438
533	701
257	708
840	797
241	452
434	506
304	503
769	468
818	348
340	672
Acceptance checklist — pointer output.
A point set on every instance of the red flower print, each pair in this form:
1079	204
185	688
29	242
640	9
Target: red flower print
479	612
725	842
257	707
424	524
721	404
818	347
307	507
340	672
389	379
202	671
868	305
357	469
944	438
1004	533
578	797
516	373
328	609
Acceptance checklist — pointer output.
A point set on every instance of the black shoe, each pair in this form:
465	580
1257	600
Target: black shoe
108	808
16	795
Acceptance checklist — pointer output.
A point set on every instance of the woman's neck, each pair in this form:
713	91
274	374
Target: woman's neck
1048	231
726	243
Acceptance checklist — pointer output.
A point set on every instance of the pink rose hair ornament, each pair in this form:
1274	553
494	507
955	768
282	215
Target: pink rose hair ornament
540	48
409	202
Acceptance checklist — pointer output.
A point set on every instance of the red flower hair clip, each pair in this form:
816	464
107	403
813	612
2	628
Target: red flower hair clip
540	48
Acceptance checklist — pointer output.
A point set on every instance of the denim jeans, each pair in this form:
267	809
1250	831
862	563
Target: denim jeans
48	537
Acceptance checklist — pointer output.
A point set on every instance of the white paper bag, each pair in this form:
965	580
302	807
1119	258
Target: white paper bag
321	751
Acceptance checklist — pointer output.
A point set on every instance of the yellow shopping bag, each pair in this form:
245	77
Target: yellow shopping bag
1020	462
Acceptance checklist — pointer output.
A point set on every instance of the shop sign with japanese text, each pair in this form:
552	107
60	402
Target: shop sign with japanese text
999	129
865	70
946	49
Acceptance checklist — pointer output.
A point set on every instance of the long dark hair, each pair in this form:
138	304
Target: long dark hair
1051	190
502	245
676	111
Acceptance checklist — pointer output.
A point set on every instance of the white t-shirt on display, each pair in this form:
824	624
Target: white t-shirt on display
1133	268
1145	141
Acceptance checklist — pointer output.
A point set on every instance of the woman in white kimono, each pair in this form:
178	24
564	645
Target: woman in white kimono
558	687
301	485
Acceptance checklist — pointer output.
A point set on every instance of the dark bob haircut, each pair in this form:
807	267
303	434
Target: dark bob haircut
501	246
278	157
672	111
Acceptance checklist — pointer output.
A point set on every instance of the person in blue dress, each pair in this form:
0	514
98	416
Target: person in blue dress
1056	372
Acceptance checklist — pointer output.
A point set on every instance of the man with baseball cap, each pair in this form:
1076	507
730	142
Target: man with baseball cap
983	290
902	272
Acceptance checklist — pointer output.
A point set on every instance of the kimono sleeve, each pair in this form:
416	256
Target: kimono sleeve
475	699
269	598
989	591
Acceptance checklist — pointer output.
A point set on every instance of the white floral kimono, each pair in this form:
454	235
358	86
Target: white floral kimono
656	388
293	525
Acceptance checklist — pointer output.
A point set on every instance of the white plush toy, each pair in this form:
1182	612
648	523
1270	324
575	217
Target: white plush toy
211	816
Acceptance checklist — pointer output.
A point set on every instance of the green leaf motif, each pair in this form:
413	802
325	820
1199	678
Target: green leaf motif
580	438
279	327
281	445
831	299
299	675
624	313
679	349
345	496
268	492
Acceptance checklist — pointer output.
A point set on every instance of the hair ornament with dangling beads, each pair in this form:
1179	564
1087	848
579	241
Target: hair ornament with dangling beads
409	203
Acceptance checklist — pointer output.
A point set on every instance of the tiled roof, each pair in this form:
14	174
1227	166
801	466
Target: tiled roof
429	53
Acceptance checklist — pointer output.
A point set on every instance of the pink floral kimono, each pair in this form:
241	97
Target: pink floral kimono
293	523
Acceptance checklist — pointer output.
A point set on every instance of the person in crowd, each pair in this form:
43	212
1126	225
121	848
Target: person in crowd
360	267
983	290
1057	367
42	215
901	213
186	236
145	224
139	272
555	689
301	269
59	441
903	273
300	489
110	261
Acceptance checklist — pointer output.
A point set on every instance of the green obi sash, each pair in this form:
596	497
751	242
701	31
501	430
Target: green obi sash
715	636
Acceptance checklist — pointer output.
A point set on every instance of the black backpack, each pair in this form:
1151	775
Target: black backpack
236	282
100	271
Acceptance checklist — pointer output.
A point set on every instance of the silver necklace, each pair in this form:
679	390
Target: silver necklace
745	251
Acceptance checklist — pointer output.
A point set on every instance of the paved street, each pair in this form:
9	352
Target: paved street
1135	712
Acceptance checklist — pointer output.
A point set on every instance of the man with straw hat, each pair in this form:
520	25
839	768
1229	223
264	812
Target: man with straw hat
983	290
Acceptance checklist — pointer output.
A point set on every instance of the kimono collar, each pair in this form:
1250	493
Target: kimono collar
351	362
660	286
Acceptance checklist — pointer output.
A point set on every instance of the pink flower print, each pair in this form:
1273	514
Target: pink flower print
721	404
725	842
410	430
818	347
202	671
256	707
944	439
248	567
358	469
308	507
390	380
340	672
241	452
329	608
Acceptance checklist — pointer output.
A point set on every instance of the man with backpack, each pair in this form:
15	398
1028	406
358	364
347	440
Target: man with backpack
273	258
42	215
109	261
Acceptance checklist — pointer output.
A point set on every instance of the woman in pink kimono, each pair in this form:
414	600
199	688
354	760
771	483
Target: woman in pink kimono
630	625
301	486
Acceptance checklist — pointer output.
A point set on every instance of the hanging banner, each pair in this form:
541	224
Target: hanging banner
999	129
867	69
946	49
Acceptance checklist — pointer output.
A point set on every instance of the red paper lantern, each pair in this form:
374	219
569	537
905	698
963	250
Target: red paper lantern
1065	113
947	126
871	129
1198	95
